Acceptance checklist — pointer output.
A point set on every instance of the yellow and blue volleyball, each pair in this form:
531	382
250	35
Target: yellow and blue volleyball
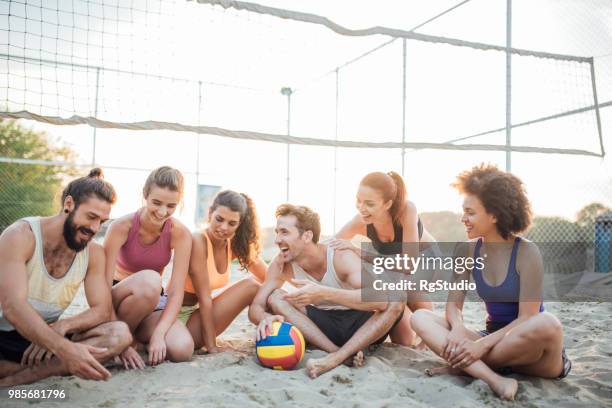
283	348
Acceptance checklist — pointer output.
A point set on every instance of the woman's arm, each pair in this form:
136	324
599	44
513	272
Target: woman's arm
258	269
116	236
198	272
181	243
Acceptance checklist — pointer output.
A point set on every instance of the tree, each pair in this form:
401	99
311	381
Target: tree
29	189
586	217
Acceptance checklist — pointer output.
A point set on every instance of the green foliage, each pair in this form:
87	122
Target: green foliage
586	217
553	229
29	189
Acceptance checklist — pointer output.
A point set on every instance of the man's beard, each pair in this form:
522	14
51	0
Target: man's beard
70	233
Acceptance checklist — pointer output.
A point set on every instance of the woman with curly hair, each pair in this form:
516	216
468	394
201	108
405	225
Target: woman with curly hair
519	336
232	233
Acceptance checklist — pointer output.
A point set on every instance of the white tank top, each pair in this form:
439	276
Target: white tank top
47	295
330	279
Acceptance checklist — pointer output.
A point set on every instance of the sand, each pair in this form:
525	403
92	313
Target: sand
392	376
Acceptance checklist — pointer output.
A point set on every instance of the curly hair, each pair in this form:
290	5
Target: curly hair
246	245
502	194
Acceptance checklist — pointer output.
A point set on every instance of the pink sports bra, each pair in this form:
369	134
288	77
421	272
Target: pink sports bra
134	256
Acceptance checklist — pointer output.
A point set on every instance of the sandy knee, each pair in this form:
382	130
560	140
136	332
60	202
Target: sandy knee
180	349
419	320
547	326
275	300
148	287
119	335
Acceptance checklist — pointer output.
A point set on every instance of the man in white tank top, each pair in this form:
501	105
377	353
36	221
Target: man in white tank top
43	261
327	306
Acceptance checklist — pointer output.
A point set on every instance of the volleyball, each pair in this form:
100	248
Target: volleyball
282	349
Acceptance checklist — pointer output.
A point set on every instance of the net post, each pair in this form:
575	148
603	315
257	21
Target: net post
596	106
508	84
336	147
403	105
95	129
198	135
288	92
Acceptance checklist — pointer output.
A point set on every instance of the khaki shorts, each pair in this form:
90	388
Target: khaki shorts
185	312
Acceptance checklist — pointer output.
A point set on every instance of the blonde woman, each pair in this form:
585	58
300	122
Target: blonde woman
138	247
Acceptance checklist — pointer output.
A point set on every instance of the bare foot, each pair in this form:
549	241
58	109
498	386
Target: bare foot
420	346
506	388
358	359
443	371
317	366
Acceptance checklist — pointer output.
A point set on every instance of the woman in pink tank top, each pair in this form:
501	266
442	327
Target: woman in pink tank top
233	233
138	247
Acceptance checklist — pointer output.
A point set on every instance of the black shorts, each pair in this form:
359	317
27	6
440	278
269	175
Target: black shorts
340	325
12	345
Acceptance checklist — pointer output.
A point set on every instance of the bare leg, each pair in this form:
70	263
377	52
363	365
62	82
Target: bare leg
312	334
434	330
416	305
9	367
226	306
402	333
532	348
372	330
135	297
179	344
114	336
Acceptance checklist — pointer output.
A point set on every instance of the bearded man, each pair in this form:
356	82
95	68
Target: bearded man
43	261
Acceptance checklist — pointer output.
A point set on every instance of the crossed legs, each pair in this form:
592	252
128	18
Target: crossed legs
112	336
531	348
374	328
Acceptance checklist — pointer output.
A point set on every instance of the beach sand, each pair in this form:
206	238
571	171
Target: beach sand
393	376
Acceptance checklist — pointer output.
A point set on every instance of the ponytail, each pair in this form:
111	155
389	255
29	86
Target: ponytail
392	187
399	199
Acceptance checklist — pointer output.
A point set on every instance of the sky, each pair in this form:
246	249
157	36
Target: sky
244	59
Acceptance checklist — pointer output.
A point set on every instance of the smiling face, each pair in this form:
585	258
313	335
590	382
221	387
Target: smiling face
477	221
288	238
84	222
371	204
223	223
160	204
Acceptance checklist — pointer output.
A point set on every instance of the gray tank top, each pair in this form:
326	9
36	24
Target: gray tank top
330	279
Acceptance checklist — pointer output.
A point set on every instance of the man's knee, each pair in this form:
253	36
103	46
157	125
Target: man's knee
119	336
276	300
180	349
